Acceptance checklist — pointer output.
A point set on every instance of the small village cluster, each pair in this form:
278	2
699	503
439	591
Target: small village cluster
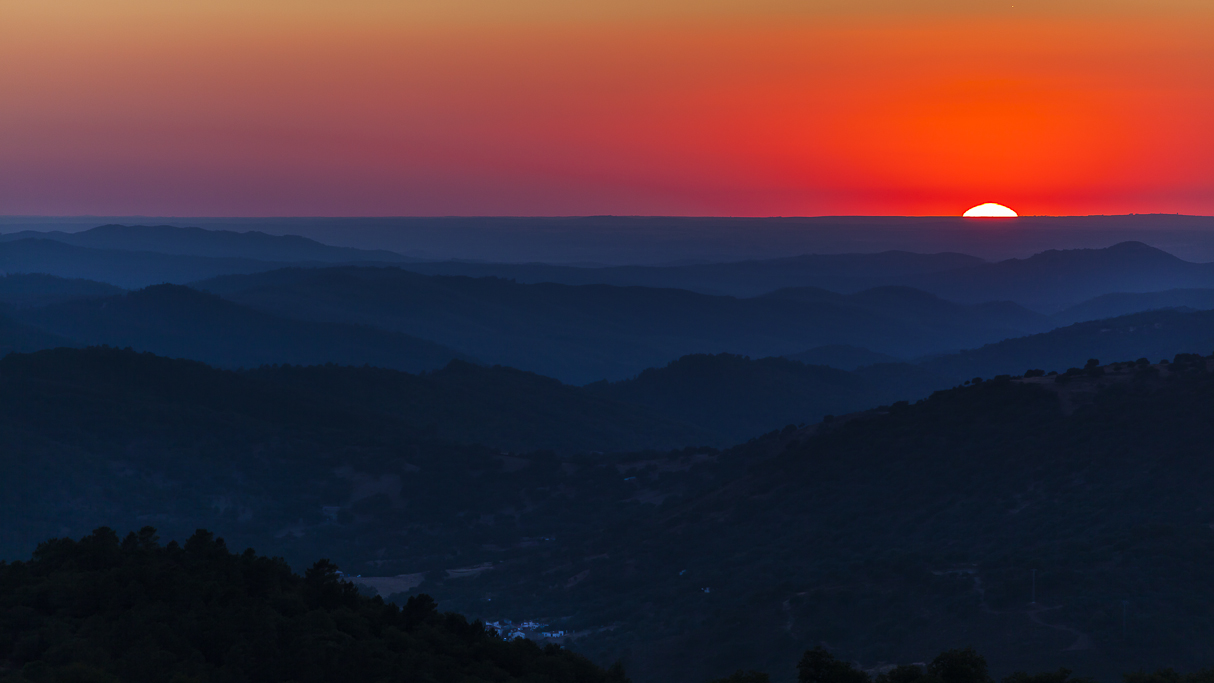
524	629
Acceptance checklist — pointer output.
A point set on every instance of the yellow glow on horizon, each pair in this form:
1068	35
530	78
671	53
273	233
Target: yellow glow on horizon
990	210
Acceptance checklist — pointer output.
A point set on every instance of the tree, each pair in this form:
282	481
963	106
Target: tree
1060	676
959	666
819	666
741	676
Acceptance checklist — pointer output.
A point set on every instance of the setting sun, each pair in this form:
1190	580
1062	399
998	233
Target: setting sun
990	210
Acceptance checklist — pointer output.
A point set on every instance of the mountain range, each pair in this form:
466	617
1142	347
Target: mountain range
187	241
1046	282
135	256
181	322
584	333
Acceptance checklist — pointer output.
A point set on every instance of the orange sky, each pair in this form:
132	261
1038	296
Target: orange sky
537	107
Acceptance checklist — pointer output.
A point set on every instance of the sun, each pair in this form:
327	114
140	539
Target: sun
990	210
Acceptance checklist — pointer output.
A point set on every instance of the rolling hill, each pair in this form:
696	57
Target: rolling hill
740	398
581	334
1121	303
181	322
1053	280
496	406
126	269
1153	334
167	239
38	289
843	272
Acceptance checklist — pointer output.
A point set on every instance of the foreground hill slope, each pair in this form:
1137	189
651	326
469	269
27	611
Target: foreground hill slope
102	609
177	321
898	533
890	535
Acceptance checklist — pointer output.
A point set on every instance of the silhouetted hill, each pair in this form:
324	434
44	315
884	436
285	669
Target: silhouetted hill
586	333
143	612
841	356
1154	335
898	533
954	321
844	272
167	239
1113	305
177	321
740	398
1053	280
36	289
127	269
295	461
20	337
495	406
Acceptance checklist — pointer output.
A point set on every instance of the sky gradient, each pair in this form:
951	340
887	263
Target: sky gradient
364	108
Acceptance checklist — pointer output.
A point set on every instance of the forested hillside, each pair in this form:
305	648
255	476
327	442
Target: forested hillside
895	534
889	535
104	610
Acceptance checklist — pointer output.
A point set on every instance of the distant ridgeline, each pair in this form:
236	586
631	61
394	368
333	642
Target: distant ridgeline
104	610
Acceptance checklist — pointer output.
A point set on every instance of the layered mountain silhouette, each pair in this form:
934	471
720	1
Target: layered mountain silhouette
38	289
177	321
167	239
1121	303
585	333
740	398
126	269
495	406
138	256
844	272
841	356
1046	282
1154	335
16	336
1053	280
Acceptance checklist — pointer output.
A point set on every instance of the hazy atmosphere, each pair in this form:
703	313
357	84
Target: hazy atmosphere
470	342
